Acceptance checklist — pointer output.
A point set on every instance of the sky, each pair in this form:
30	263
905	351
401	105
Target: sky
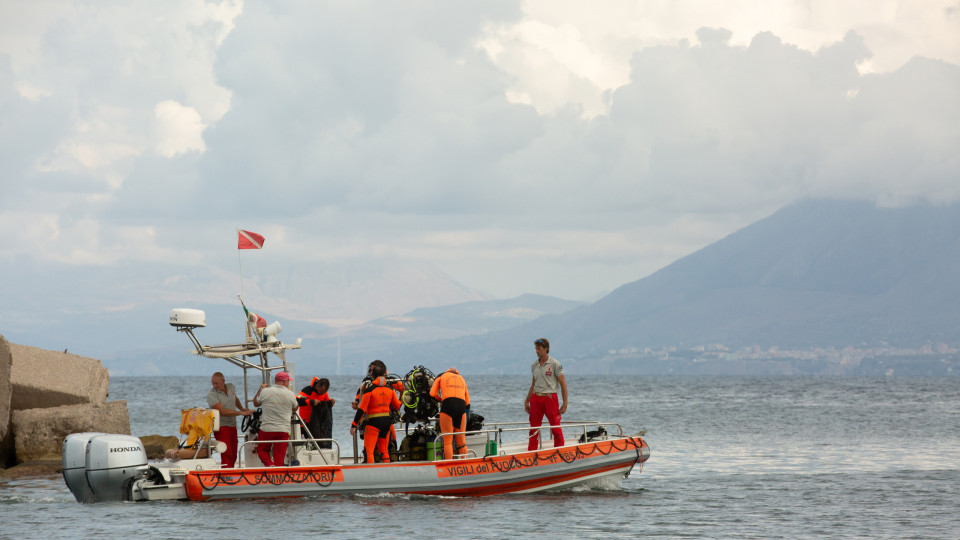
551	147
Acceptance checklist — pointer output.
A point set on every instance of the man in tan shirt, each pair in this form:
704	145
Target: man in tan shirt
542	397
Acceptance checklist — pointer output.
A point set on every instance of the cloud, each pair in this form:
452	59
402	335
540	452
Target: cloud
566	48
179	129
90	76
535	147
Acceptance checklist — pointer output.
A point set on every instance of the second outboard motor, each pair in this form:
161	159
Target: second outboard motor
75	465
113	462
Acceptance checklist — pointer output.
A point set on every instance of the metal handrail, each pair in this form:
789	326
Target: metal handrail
497	429
240	455
207	443
522	426
491	433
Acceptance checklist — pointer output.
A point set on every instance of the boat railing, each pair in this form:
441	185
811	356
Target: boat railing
240	454
496	431
492	432
203	450
583	424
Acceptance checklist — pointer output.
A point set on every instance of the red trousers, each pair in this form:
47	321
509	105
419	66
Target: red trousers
540	406
271	455
228	435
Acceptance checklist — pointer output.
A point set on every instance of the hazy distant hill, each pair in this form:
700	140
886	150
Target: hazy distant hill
140	341
119	313
378	338
467	318
815	273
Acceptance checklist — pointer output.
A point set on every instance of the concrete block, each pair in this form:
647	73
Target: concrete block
39	433
43	378
6	393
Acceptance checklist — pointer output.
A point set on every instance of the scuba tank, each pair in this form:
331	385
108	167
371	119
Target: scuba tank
414	445
418	406
403	453
368	383
434	448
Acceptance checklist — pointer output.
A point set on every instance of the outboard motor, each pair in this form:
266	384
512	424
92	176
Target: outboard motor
113	462
75	465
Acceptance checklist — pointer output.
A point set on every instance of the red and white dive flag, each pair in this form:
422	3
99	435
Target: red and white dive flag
249	240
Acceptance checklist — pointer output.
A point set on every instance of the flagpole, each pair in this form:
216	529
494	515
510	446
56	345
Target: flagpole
246	240
240	264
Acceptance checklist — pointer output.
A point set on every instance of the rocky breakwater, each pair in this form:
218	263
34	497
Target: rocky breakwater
45	396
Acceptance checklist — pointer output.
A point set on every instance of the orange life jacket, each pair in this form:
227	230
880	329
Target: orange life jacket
305	395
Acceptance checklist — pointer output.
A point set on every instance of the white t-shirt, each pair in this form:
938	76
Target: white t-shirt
277	402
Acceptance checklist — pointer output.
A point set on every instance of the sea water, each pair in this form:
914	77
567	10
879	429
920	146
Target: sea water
732	457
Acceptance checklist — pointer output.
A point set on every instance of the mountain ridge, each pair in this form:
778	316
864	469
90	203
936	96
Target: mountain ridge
816	273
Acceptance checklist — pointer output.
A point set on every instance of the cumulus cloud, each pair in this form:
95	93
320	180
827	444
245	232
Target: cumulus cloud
179	129
566	48
542	147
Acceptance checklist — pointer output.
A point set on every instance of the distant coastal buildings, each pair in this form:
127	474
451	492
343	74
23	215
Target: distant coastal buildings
932	359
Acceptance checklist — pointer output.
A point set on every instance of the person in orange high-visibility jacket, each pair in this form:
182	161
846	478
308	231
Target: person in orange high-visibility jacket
376	405
451	391
315	404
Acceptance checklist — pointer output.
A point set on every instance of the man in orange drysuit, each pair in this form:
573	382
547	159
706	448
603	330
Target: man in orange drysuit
376	405
368	385
451	391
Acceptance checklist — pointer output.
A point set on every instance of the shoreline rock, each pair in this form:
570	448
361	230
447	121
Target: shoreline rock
43	378
6	395
47	395
39	433
155	445
33	469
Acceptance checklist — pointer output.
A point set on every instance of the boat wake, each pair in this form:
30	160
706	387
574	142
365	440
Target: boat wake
604	483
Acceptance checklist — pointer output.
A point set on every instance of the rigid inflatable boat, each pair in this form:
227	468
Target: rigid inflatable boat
111	467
